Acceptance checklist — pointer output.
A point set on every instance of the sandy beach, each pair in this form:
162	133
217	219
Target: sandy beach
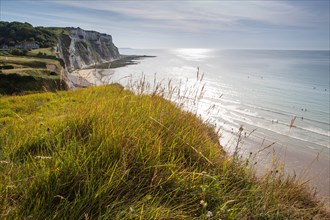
102	72
90	77
311	167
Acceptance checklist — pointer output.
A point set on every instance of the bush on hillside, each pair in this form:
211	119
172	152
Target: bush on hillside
12	33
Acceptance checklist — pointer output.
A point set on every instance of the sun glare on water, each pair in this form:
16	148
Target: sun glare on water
193	54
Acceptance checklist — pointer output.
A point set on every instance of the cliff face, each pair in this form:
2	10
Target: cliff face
82	48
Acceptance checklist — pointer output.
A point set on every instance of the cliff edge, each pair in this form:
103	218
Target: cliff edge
80	48
51	53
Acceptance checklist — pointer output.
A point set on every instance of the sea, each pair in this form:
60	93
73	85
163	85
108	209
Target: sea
279	97
266	90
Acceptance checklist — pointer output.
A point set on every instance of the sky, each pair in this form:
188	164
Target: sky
221	24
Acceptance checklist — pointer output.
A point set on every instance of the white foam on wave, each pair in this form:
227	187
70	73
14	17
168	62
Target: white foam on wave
247	112
235	113
315	130
284	129
240	117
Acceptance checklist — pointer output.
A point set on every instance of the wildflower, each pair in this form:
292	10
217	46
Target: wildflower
203	187
148	197
203	203
209	214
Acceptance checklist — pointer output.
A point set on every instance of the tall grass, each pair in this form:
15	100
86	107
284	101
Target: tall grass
110	153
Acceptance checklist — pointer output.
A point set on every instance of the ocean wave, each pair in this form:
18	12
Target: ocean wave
235	113
289	134
313	129
284	113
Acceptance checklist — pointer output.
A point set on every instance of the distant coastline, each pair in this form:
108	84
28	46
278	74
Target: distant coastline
124	60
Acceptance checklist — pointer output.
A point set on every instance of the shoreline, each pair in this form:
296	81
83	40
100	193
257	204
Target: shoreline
93	75
309	166
306	164
124	60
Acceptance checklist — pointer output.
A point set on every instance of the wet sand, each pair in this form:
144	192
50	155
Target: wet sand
310	166
91	77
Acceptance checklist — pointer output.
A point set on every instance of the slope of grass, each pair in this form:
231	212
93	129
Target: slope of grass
26	74
30	81
27	61
106	153
59	30
43	52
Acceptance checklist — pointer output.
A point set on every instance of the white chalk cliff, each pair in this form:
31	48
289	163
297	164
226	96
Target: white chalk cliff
83	48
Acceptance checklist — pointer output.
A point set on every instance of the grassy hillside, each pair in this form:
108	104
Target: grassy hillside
43	52
106	153
27	61
36	72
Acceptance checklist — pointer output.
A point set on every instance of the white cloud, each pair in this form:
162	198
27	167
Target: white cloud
202	15
182	23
